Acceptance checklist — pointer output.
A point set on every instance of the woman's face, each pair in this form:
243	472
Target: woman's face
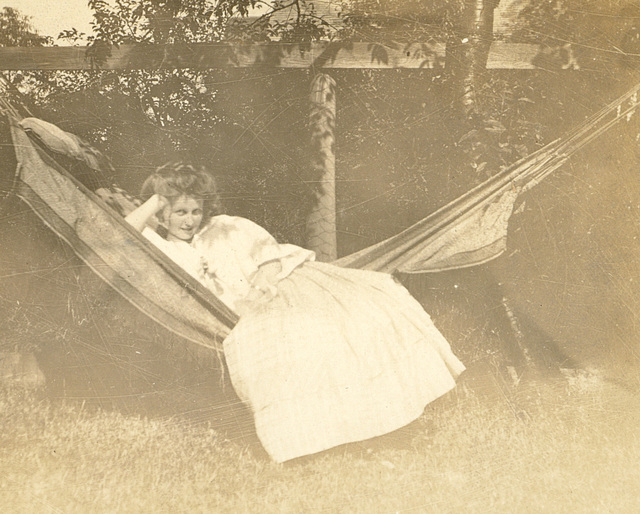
182	218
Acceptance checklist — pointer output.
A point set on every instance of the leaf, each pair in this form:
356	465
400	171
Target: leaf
137	13
379	54
494	127
469	135
522	150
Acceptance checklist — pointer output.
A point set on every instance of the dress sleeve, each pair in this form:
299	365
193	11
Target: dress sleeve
158	241
263	248
233	249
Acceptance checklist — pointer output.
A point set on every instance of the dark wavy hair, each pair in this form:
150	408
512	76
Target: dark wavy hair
176	179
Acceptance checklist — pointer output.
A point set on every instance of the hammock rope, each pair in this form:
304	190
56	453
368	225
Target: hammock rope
467	231
419	248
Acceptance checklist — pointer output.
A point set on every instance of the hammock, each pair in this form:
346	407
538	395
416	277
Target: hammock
468	231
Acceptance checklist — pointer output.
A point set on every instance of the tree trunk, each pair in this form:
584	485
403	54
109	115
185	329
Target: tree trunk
467	53
321	223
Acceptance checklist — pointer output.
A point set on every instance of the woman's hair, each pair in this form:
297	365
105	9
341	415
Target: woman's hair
176	179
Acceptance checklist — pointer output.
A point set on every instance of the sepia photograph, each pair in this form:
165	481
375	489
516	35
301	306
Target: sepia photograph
285	256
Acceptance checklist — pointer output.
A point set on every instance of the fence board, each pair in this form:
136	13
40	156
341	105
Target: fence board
503	55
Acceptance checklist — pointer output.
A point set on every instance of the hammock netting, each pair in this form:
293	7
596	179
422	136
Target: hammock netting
468	231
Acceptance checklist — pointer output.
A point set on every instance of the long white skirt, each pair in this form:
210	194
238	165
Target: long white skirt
339	355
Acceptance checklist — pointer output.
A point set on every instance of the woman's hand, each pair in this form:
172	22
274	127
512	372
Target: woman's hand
139	217
263	288
254	298
163	201
265	279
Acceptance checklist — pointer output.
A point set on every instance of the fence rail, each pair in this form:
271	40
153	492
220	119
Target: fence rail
333	55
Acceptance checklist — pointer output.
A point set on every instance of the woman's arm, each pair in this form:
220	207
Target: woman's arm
265	278
263	288
139	217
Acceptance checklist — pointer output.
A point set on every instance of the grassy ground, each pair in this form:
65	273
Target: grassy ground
571	444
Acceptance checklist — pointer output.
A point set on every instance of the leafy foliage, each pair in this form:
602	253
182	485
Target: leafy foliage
251	126
410	20
16	30
297	21
402	152
583	22
154	21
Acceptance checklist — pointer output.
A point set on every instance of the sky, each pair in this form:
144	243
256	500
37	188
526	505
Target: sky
50	17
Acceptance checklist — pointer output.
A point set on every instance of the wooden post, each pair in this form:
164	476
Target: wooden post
321	223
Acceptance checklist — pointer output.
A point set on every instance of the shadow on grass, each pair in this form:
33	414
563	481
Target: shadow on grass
135	378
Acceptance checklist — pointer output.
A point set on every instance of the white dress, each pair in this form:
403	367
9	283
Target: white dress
335	356
180	252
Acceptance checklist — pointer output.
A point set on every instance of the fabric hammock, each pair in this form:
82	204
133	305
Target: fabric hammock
468	231
472	229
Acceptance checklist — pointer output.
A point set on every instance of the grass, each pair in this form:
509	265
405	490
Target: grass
563	445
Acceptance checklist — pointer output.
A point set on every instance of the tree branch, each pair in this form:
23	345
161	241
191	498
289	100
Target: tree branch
274	10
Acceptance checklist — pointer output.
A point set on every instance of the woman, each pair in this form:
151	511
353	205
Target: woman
322	355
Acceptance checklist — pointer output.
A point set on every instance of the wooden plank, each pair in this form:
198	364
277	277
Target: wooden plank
47	58
335	55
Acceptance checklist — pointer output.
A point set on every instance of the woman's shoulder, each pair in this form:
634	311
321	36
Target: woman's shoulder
225	229
225	219
227	222
228	218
